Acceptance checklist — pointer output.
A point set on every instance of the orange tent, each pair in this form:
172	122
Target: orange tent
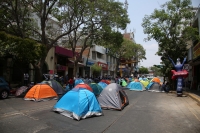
40	92
136	80
156	79
82	85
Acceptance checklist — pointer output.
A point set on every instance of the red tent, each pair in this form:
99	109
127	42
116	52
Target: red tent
83	85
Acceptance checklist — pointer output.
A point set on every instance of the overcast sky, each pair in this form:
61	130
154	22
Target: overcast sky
137	9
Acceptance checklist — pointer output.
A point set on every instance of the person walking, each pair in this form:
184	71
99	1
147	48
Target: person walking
71	83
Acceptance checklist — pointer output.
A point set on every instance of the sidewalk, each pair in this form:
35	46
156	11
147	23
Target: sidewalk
194	94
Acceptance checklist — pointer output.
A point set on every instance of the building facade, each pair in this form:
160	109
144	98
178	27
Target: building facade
194	55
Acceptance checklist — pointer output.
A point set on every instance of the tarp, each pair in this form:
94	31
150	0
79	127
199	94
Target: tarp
41	92
97	89
78	103
102	84
113	97
55	85
21	91
136	86
83	85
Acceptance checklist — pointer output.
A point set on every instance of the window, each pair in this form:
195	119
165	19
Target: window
93	55
99	55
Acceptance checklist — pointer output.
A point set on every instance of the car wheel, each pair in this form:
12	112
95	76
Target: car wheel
4	94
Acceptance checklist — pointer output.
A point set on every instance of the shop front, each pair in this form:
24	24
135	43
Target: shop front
87	69
196	67
104	67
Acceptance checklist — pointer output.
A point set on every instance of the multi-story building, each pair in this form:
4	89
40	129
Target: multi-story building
194	55
128	67
97	54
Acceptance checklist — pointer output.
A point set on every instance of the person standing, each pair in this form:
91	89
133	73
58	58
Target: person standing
71	83
26	77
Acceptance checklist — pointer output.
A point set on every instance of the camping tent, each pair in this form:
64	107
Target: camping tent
97	89
145	82
123	83
88	81
40	92
105	81
78	103
113	97
156	79
155	87
83	85
55	85
102	84
78	81
136	86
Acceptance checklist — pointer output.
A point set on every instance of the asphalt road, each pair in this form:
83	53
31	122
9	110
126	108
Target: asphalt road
148	112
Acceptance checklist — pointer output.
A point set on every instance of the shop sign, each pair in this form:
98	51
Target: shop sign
61	68
103	65
196	51
89	63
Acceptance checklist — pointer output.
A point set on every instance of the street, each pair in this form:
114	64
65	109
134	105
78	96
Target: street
147	112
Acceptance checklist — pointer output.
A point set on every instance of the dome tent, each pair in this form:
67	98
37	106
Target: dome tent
113	97
136	86
78	103
41	92
55	85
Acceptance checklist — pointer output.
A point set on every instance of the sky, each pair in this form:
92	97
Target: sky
137	9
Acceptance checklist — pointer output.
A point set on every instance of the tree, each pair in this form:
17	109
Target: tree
170	27
27	50
143	70
15	18
98	23
96	70
157	69
128	50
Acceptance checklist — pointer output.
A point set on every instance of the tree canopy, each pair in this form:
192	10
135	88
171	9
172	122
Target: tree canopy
170	27
48	22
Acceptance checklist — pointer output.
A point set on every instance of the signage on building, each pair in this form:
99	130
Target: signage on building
61	68
89	63
196	51
103	65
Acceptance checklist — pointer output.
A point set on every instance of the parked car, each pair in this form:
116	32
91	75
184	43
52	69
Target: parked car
4	89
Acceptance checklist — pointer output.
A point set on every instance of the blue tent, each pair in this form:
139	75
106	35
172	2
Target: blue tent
155	87
149	85
102	84
78	81
136	86
78	103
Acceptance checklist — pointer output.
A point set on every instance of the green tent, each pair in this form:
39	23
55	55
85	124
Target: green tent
123	83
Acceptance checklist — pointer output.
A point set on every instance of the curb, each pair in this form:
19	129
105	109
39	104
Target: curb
192	95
